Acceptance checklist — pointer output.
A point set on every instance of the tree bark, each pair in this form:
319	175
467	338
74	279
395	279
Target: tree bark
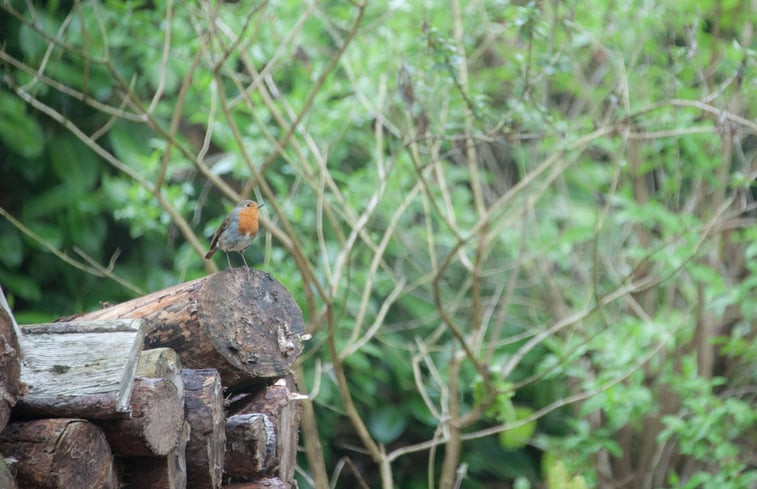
10	368
241	322
82	369
203	404
157	417
167	472
276	402
57	453
250	447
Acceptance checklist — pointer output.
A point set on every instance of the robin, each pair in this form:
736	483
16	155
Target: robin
237	230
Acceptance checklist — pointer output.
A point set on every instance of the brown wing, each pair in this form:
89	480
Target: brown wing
214	239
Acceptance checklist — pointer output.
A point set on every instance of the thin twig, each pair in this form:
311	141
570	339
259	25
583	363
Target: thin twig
95	270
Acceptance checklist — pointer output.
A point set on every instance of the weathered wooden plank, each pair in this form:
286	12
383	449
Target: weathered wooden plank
80	369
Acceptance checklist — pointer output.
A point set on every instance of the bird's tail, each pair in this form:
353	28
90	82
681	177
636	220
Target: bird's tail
209	255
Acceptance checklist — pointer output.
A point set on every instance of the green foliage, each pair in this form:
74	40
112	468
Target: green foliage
529	224
18	131
557	476
519	436
708	428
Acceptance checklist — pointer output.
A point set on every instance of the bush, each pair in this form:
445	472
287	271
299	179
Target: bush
522	233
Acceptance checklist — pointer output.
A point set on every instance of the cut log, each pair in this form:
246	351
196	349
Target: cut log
250	447
162	363
80	369
169	472
7	479
57	453
203	405
154	428
10	368
278	403
271	483
241	322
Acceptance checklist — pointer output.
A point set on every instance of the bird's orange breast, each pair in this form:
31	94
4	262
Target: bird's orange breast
248	221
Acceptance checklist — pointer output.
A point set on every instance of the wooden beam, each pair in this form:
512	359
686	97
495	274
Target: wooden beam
80	369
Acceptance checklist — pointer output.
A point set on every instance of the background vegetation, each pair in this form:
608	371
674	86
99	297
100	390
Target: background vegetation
522	233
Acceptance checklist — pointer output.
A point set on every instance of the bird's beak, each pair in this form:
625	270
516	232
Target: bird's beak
260	205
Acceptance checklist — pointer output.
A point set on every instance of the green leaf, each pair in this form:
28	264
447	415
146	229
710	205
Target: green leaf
49	233
31	42
21	285
19	131
86	230
74	163
46	203
557	475
386	423
11	248
130	145
518	437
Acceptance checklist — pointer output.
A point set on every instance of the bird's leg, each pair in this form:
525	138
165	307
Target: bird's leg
227	258
241	253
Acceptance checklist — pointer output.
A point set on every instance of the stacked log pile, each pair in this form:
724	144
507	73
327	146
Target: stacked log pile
187	387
